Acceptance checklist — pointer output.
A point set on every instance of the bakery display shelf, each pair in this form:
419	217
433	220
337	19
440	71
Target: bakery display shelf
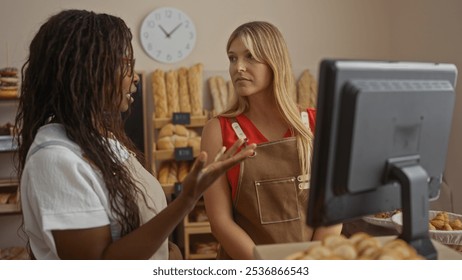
7	144
169	189
169	154
10	208
196	121
187	223
204	228
9	183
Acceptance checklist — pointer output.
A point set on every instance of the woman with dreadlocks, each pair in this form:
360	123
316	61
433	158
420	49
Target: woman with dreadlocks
84	194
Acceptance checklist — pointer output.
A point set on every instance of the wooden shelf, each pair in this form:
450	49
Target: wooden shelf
169	154
196	121
9	186
10	208
9	182
202	256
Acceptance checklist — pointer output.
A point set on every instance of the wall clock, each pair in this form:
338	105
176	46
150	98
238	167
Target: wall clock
168	35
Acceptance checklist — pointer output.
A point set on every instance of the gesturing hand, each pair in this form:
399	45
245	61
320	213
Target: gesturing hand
200	178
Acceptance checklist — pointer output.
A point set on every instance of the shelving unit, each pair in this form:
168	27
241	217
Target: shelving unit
198	233
9	186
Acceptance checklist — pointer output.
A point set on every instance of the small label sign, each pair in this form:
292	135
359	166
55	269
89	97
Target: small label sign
181	118
185	153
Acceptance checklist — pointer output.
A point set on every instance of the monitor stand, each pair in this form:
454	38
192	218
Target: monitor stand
414	201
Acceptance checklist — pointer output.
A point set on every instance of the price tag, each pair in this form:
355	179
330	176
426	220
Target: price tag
181	118
177	187
185	153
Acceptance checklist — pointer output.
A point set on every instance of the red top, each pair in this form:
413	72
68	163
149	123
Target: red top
253	136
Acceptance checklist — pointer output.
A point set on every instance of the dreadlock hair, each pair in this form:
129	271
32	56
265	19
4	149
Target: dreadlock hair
74	75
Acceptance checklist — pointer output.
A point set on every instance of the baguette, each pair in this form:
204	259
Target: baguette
215	92
223	92
307	90
183	170
163	172
231	95
171	81
172	173
195	89
159	94
183	92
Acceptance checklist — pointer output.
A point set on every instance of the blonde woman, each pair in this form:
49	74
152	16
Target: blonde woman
263	200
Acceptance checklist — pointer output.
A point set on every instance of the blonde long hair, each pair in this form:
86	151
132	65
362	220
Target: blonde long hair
266	44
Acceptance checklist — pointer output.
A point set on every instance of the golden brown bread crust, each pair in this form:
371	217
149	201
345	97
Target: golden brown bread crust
171	81
183	91
359	246
231	94
307	90
159	94
215	92
195	89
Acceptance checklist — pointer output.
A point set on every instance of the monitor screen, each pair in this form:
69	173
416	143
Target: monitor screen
373	116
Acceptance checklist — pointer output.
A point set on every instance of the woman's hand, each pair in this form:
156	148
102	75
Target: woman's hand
200	178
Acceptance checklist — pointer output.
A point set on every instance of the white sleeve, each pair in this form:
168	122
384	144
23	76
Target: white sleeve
64	190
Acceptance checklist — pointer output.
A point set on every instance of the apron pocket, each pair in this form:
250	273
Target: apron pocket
277	200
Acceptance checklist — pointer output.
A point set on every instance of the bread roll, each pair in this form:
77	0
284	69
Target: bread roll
173	129
165	143
180	141
183	92
307	90
159	94
195	143
195	89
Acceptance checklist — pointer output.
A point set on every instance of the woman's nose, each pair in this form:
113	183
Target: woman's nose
136	78
241	66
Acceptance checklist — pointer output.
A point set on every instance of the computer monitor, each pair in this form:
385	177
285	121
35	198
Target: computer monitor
382	131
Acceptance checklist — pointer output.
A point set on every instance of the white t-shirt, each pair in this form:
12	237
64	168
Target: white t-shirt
60	190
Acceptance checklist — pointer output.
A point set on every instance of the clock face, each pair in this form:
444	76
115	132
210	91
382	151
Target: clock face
168	35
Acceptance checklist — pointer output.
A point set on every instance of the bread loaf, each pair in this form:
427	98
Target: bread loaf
215	92
231	94
171	81
195	89
307	90
4	198
183	170
172	174
163	172
159	94
183	92
223	91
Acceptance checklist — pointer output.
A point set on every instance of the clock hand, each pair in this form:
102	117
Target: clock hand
167	35
174	29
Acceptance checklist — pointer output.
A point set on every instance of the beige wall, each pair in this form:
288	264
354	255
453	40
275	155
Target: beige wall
427	30
313	28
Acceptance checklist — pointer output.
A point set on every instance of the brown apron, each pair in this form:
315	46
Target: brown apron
270	203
